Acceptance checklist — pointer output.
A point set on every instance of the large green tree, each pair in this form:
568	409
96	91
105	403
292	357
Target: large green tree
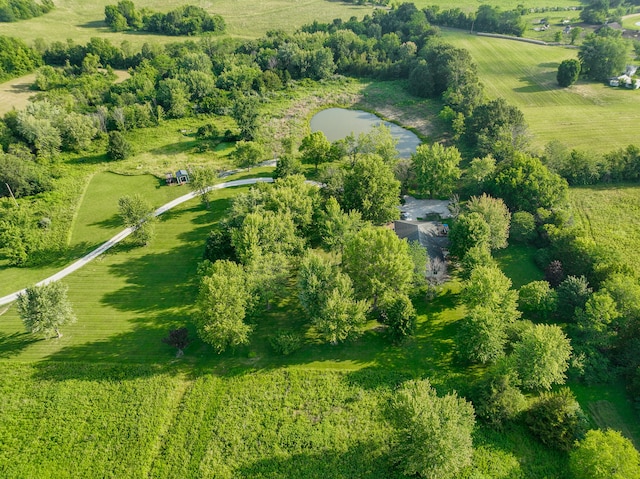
434	438
469	231
603	56
315	149
541	356
497	216
371	188
568	72
378	261
436	169
44	309
604	455
525	184
222	306
201	180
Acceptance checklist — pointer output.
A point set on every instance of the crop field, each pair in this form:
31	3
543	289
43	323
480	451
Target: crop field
587	116
611	216
81	20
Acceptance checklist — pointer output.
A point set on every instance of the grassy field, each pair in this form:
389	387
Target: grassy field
16	93
81	20
611	216
586	116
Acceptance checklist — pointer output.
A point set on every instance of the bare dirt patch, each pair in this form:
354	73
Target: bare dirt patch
16	93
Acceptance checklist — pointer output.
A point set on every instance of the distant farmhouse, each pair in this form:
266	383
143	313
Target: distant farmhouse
628	79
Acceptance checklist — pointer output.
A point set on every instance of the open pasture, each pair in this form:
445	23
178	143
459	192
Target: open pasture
586	116
15	93
81	20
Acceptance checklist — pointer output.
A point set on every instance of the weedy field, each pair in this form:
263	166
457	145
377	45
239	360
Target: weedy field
611	217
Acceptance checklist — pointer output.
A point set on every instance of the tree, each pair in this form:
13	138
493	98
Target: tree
371	188
377	261
315	148
136	213
554	273
118	147
288	165
179	339
538	299
481	169
489	287
44	309
341	316
245	113
573	293
479	255
434	440
396	311
568	72
420	259
173	96
248	154
603	56
336	226
574	34
497	216
604	455
483	335
525	184
222	304
497	128
469	230
557	419
201	179
541	356
497	397
436	169
523	227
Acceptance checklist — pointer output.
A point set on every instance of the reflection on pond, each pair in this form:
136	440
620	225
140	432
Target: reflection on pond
337	123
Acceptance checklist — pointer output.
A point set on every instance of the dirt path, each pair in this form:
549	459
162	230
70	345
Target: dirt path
16	93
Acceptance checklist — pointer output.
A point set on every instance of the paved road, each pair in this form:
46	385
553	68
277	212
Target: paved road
123	234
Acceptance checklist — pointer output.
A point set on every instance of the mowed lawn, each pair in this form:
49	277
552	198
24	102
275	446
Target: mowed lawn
81	19
587	116
611	216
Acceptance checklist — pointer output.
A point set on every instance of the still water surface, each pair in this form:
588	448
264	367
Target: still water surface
337	123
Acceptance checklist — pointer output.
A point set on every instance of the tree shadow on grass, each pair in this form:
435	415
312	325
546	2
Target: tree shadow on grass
12	344
110	223
364	460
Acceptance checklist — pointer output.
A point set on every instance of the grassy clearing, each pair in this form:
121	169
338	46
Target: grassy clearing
516	261
611	216
16	93
586	116
82	20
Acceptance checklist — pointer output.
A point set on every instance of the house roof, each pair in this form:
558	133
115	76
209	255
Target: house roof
182	173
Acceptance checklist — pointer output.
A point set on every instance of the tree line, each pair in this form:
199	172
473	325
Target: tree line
184	20
15	10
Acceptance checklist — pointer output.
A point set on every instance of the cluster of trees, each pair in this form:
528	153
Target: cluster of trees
184	20
16	58
14	10
366	273
486	19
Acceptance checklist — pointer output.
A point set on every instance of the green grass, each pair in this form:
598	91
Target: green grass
516	261
586	116
610	215
81	20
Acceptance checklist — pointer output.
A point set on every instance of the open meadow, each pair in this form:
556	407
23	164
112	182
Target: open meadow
610	215
81	20
587	116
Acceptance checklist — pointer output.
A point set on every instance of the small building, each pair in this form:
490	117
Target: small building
182	177
614	82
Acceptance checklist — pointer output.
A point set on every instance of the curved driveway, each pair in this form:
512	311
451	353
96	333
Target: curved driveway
124	233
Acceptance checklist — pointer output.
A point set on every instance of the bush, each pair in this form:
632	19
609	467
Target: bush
118	148
498	399
286	342
398	313
568	72
557	419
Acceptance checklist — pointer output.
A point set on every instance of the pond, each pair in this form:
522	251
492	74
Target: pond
337	123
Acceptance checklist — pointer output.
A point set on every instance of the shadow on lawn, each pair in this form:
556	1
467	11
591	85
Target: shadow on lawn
12	344
364	460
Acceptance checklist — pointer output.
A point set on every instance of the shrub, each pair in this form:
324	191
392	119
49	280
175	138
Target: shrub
523	227
286	342
557	419
118	147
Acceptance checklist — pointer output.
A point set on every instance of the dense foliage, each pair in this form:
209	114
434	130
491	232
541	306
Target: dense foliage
14	10
184	20
16	58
